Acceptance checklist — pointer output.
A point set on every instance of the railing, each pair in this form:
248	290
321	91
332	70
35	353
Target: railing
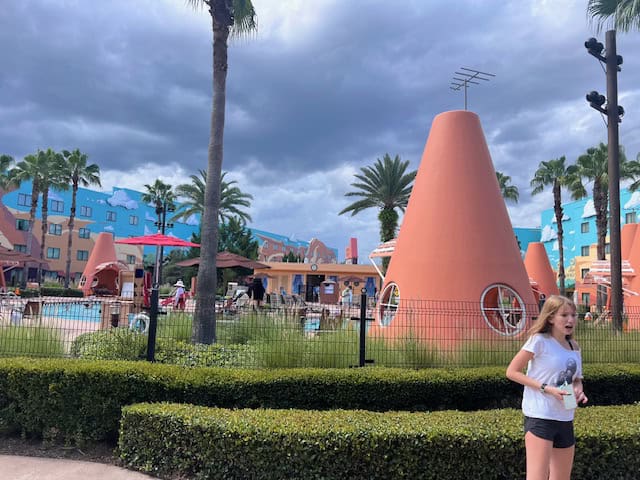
293	333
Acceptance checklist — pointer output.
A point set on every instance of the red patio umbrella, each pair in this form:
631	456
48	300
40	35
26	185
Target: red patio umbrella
157	239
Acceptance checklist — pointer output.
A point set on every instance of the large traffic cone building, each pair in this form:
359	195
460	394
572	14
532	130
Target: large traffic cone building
456	272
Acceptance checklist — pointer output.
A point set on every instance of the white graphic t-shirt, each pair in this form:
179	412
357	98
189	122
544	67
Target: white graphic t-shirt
552	364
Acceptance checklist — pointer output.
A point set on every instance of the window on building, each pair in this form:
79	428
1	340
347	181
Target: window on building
111	216
584	251
24	200
53	252
82	255
583	272
22	224
131	259
57	206
20	248
584	227
55	229
630	217
133	220
84	233
585	299
85	211
607	249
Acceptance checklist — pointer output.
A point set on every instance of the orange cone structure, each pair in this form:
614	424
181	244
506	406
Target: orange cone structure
104	250
632	303
536	262
627	235
456	272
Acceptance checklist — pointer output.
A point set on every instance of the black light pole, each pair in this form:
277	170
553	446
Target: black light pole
162	207
614	112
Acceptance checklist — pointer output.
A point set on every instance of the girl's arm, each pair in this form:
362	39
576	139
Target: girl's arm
515	373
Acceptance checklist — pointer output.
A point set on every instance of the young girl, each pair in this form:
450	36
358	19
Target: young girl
552	359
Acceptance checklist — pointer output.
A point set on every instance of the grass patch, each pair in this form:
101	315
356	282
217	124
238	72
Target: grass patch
32	341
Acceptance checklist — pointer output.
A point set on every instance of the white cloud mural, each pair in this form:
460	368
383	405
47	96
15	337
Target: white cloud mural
548	233
121	199
634	201
589	209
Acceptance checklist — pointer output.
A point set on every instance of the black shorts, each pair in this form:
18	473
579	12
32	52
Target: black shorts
560	433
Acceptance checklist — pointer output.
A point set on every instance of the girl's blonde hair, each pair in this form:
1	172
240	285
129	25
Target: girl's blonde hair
549	309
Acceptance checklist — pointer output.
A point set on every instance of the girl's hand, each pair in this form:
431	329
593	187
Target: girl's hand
555	392
580	396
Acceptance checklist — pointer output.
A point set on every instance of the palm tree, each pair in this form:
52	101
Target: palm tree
385	186
231	198
50	177
32	168
593	166
509	192
624	15
554	173
6	161
76	172
160	195
236	17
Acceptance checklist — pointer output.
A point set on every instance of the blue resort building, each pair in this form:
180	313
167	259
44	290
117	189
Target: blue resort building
120	212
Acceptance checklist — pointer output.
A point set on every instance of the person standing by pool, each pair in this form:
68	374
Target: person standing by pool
179	296
552	389
256	292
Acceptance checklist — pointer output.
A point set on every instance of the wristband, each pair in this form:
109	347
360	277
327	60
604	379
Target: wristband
542	387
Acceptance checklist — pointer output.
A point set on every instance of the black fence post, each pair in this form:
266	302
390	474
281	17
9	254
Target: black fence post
363	328
153	325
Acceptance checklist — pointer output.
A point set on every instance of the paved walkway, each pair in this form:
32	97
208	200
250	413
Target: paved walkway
36	468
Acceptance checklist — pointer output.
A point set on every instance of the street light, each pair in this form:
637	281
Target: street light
614	114
162	207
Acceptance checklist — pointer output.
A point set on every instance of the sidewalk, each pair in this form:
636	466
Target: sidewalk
36	468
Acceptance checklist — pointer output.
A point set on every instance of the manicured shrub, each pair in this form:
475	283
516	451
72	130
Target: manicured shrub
81	400
211	443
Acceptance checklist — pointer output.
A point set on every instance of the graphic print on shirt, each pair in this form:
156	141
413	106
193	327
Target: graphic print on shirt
567	375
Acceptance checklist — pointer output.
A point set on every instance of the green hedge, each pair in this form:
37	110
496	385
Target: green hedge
60	292
210	443
78	401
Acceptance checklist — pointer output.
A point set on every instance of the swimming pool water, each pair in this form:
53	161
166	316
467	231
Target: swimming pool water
85	311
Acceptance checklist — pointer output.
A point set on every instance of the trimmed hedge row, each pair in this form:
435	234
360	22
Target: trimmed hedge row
211	443
79	401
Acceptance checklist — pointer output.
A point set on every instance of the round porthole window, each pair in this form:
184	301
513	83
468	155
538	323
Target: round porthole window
388	305
503	310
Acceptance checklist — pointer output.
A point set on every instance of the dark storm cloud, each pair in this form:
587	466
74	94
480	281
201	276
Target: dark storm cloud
322	87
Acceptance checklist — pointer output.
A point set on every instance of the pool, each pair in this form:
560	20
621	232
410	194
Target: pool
86	311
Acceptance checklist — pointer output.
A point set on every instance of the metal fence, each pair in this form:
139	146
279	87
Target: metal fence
288	332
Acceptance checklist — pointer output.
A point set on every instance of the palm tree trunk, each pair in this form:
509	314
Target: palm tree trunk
204	323
388	218
32	218
72	219
557	206
43	229
600	205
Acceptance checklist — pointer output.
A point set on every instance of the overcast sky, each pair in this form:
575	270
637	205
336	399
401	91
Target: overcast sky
323	88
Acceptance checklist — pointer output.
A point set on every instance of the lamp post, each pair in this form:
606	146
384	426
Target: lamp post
614	113
162	207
